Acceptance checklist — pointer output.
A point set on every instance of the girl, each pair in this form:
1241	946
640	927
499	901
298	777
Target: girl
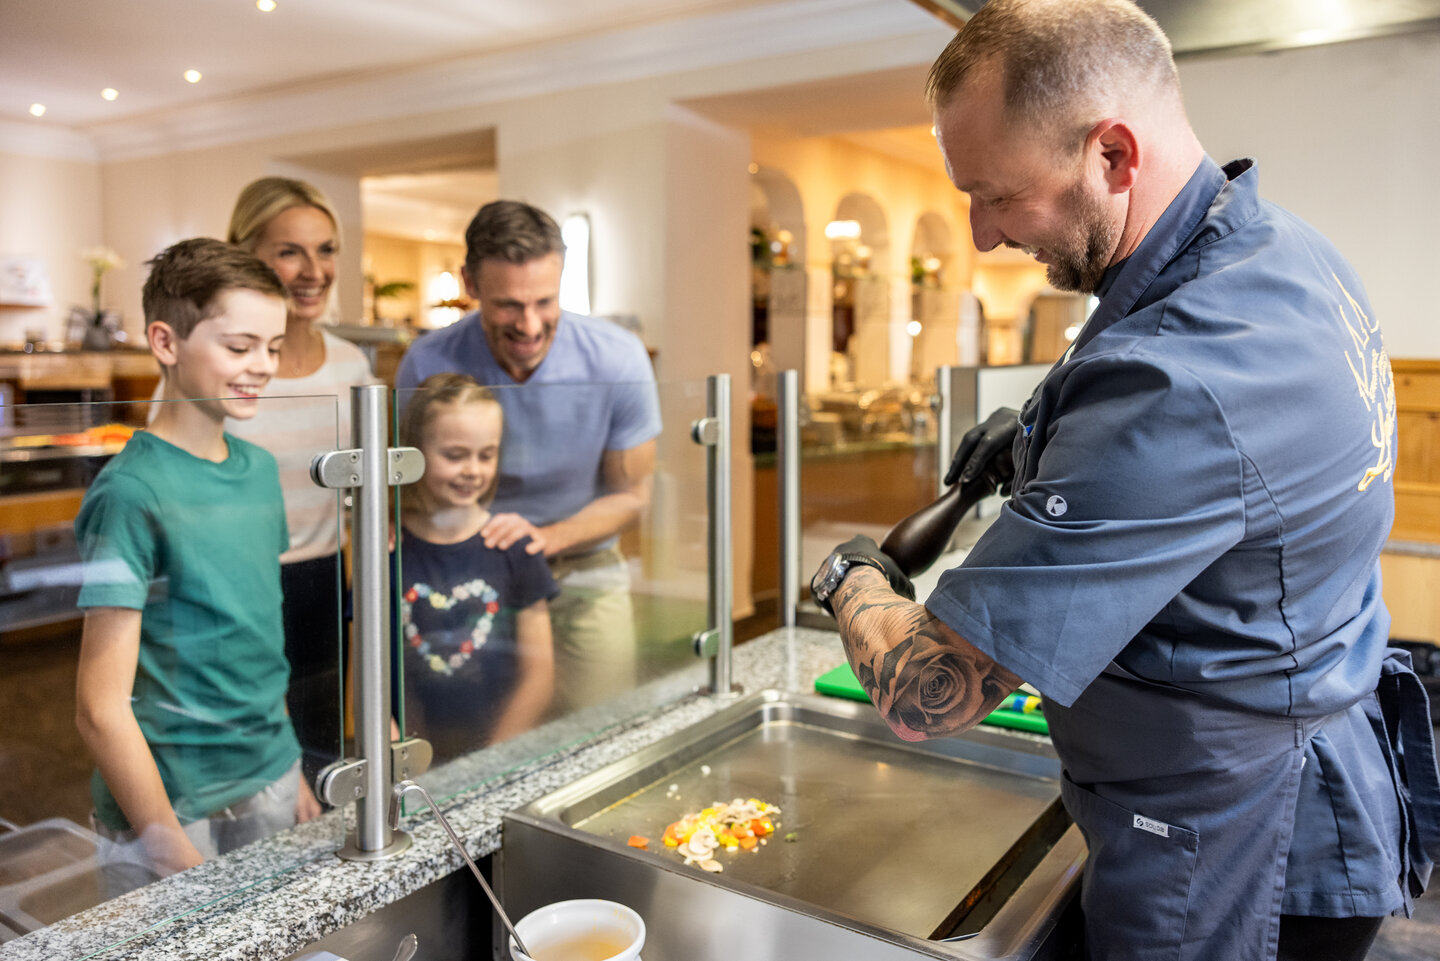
478	663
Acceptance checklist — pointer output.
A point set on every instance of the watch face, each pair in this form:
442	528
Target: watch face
827	579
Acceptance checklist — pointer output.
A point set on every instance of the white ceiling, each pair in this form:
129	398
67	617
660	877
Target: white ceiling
62	53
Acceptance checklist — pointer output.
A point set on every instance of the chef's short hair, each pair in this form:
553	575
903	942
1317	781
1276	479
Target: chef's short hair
1063	62
187	279
510	231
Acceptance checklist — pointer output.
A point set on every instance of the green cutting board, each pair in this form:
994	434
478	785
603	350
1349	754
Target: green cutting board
841	682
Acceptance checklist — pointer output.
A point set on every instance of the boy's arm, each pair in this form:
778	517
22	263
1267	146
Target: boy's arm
109	652
536	670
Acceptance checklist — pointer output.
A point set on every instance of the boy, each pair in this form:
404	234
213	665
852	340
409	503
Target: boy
182	675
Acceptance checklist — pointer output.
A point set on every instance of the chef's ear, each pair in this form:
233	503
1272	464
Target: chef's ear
1119	153
163	342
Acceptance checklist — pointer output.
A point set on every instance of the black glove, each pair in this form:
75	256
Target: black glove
987	448
858	550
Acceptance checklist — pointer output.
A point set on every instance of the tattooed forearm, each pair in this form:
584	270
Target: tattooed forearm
925	680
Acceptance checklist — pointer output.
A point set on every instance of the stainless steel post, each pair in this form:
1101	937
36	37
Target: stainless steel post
944	435
371	601
713	431
787	465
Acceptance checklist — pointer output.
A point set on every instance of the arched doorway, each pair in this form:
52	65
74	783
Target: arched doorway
859	248
934	297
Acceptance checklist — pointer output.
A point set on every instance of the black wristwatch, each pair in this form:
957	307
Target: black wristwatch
831	573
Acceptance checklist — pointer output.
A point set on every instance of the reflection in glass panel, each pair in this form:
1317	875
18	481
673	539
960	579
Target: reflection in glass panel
868	459
142	642
551	565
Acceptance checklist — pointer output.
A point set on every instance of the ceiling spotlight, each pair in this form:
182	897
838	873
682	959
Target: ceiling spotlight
37	110
192	76
754	168
109	93
265	6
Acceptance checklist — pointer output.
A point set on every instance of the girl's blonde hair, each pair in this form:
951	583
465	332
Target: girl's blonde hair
443	390
267	198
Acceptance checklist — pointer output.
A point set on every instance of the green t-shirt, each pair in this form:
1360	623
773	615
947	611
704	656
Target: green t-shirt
195	546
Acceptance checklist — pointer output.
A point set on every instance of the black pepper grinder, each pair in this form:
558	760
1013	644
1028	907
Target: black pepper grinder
919	539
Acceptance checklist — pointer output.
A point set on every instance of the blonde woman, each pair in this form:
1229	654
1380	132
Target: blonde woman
292	226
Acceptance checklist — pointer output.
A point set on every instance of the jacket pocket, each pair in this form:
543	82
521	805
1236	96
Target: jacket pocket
1138	876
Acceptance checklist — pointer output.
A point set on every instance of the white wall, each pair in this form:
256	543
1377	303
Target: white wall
1347	136
50	209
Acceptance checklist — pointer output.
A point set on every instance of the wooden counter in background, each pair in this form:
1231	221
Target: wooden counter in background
1411	564
863	483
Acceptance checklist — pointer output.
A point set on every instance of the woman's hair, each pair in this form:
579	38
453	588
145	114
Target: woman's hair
267	198
442	390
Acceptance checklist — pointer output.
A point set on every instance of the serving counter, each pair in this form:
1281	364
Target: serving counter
281	894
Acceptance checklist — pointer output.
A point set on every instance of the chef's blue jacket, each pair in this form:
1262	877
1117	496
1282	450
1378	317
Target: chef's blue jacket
1188	571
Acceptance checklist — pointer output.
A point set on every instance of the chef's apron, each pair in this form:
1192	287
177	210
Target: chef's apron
1189	807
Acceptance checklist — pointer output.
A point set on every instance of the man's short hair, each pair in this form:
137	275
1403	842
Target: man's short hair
187	279
1062	62
512	231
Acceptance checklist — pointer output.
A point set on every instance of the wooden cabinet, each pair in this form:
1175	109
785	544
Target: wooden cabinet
1417	459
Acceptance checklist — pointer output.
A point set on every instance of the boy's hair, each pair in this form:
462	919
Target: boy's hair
267	198
444	390
187	279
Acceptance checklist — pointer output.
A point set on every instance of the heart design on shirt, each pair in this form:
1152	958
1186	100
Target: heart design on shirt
446	629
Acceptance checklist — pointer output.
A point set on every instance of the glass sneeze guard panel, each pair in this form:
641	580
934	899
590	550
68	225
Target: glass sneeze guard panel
176	562
473	674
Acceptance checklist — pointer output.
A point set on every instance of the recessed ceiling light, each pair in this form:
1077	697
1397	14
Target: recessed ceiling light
265	6
37	110
192	76
109	93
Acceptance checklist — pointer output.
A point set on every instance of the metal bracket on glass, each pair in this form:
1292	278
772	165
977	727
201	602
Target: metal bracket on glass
336	469
706	643
340	469
410	758
407	465
342	782
706	431
713	432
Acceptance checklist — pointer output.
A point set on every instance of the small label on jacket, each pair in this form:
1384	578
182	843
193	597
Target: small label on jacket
1153	826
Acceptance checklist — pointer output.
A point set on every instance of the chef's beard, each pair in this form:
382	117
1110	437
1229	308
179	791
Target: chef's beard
1083	255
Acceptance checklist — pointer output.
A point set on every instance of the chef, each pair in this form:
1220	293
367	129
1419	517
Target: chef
1187	568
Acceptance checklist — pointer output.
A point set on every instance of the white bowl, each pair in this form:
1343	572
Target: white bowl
587	930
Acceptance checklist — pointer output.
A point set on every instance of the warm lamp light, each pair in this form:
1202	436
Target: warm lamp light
843	230
442	288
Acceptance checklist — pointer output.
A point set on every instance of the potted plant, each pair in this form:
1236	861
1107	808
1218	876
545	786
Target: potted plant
95	327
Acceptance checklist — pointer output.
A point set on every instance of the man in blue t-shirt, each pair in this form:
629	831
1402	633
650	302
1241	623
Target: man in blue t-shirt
1188	566
581	418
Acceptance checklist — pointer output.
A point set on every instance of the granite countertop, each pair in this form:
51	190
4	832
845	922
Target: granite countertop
279	895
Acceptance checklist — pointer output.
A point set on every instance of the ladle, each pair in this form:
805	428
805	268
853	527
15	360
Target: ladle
396	794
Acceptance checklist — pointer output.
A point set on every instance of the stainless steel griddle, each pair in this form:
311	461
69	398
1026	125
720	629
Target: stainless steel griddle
907	843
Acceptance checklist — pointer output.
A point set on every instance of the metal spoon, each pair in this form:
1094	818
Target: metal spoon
396	794
407	947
